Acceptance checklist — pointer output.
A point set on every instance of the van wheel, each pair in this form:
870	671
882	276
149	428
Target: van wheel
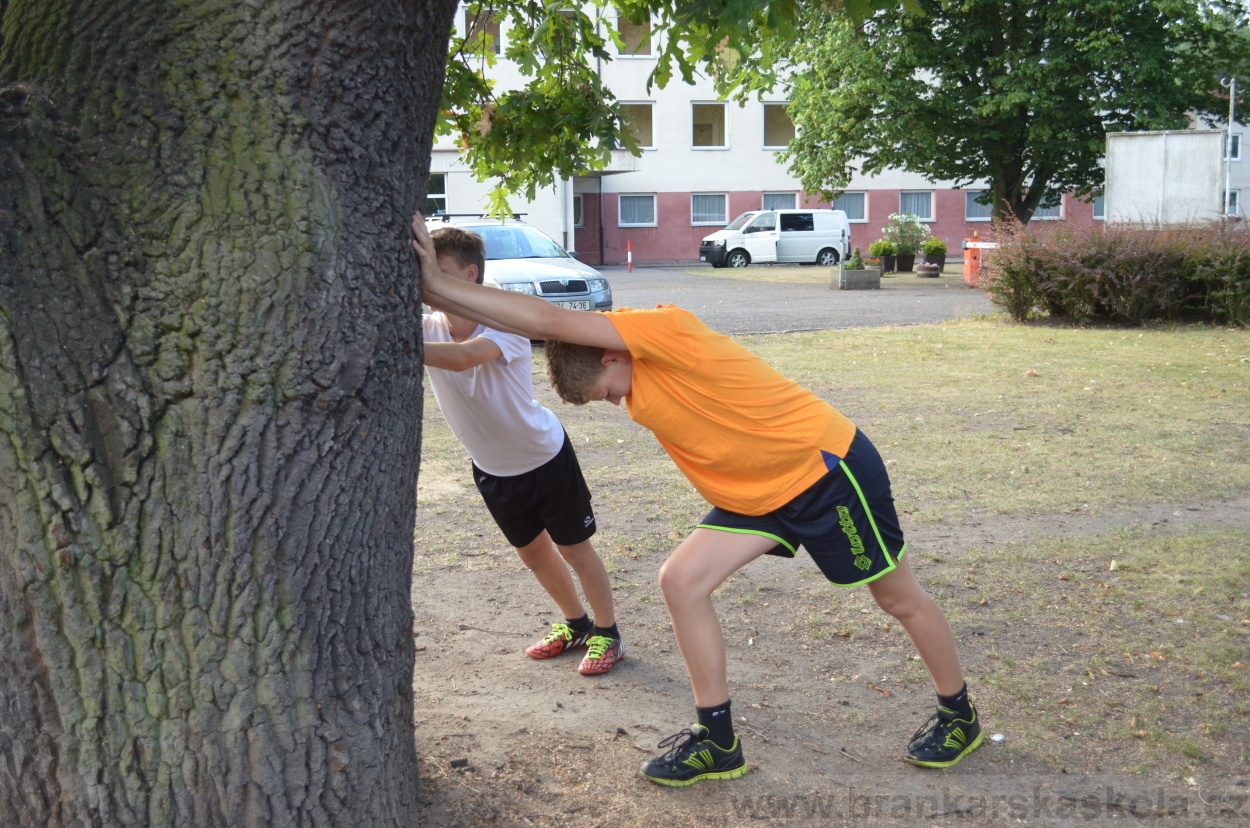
827	257
738	258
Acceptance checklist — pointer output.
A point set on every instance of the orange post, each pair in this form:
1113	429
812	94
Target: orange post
629	257
972	260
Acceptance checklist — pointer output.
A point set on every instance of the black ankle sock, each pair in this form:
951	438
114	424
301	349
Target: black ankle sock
958	702
579	625
719	724
610	632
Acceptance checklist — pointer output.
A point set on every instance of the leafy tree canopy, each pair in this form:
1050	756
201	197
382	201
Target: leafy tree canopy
1013	92
563	120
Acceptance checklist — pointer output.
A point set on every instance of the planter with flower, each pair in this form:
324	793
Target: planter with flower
906	233
934	250
884	251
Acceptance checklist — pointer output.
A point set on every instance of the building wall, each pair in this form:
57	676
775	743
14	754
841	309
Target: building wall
674	239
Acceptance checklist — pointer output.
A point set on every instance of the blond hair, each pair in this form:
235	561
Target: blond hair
465	247
573	369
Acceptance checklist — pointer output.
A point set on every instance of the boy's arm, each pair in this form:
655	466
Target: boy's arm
461	356
512	312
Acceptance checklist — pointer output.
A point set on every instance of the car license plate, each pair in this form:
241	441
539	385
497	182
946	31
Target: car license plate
580	304
703	258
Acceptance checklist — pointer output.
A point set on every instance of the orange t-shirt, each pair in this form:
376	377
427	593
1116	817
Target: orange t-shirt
748	438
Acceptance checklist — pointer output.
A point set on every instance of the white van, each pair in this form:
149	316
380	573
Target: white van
805	236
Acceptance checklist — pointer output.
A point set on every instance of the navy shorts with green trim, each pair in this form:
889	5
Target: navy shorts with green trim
846	520
553	496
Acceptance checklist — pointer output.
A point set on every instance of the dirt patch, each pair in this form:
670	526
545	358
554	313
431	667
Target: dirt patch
825	691
825	688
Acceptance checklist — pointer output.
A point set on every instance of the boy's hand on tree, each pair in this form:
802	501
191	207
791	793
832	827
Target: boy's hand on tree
428	258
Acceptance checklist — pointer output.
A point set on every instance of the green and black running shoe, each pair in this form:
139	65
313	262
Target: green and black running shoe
945	739
693	757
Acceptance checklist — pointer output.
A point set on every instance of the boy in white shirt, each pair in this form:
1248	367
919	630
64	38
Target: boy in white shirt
523	462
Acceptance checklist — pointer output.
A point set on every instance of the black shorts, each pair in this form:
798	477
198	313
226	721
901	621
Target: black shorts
553	496
846	520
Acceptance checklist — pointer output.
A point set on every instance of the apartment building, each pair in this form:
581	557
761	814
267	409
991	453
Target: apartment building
705	161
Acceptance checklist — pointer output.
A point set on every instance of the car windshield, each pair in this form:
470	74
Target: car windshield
737	223
518	241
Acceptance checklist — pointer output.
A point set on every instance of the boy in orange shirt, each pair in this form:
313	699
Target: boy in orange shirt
780	467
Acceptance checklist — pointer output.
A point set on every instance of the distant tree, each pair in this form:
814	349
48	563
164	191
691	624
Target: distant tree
1013	92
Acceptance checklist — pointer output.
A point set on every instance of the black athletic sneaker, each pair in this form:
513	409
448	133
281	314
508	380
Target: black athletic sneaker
692	757
945	739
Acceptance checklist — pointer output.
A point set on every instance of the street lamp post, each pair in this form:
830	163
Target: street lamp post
1229	83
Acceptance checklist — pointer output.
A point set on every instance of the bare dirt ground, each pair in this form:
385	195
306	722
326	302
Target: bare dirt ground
506	740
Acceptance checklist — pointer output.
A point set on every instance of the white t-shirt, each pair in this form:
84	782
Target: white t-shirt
491	407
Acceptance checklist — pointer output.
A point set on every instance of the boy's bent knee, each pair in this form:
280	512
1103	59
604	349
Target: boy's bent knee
903	604
675	580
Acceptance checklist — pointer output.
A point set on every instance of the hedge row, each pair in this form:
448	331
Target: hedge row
1121	273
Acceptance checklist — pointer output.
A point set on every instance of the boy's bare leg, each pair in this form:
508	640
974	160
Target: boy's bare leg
900	595
549	568
594	577
697	567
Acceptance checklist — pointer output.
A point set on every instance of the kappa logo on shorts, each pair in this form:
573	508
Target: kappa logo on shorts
589	520
857	546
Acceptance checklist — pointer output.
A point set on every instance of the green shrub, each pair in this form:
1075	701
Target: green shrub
881	247
933	246
1121	273
856	262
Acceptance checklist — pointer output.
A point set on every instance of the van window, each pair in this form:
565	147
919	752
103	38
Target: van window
797	221
737	223
765	222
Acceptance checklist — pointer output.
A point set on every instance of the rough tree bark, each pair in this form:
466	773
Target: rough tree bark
210	404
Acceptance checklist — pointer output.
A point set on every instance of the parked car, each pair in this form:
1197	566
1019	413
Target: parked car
814	236
523	259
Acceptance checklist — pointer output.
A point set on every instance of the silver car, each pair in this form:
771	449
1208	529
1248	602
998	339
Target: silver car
523	259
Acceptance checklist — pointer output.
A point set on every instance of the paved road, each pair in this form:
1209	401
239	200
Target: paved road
743	306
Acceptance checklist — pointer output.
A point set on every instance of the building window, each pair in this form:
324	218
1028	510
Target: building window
1048	213
1100	207
780	201
638	120
579	217
481	25
709	208
708	126
637	211
1236	153
436	194
918	204
1233	200
636	37
974	210
855	205
778	128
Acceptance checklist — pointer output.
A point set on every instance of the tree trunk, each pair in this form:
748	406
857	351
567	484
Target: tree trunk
210	408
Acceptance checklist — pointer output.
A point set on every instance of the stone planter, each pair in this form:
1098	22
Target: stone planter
904	262
928	269
856	280
938	259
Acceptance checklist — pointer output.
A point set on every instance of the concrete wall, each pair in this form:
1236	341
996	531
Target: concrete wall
1165	177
